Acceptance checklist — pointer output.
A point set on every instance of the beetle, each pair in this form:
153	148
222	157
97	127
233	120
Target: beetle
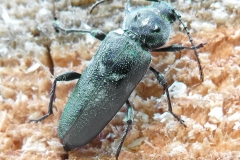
118	66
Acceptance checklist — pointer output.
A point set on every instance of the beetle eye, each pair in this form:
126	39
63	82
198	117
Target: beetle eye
136	17
156	29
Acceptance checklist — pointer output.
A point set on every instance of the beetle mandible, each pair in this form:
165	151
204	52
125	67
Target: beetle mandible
118	66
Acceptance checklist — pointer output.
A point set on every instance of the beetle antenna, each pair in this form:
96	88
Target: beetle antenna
96	4
191	41
128	6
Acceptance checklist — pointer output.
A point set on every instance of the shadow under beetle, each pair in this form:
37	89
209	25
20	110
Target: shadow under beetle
114	71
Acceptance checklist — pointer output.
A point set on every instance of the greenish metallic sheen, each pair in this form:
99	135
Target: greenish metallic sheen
103	88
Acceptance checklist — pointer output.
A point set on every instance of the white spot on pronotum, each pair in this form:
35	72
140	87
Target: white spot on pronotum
145	21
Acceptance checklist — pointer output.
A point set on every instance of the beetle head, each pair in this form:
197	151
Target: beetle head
148	27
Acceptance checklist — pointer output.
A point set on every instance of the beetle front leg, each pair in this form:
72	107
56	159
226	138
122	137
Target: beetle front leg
129	119
68	76
98	34
177	47
163	82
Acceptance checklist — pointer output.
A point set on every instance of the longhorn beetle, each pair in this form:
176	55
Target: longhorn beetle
117	67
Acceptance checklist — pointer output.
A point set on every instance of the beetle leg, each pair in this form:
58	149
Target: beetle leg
129	119
163	82
177	47
100	35
67	76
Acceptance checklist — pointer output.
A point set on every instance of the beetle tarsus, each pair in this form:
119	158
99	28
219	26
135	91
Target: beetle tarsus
40	119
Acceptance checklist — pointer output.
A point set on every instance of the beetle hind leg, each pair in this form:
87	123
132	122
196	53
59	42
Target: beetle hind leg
67	76
129	119
163	82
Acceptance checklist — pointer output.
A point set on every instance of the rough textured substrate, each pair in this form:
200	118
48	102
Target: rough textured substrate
210	109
